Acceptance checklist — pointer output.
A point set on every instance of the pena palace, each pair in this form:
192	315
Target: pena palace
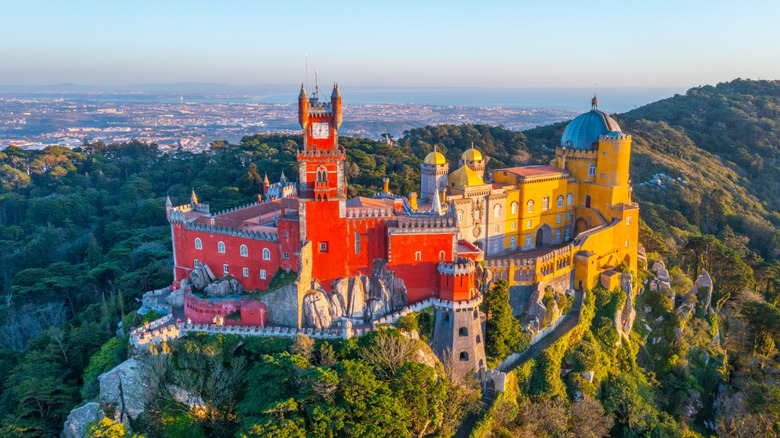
566	224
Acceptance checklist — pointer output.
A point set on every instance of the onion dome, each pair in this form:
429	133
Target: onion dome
584	131
464	177
471	155
435	158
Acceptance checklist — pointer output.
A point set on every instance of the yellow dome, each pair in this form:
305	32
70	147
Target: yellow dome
471	155
435	158
464	177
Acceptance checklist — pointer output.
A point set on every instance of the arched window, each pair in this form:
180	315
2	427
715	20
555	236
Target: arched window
447	316
530	205
244	251
198	244
496	210
479	339
560	201
529	224
221	247
442	256
587	201
464	356
266	254
463	331
592	170
514	208
568	199
357	243
545	203
322	175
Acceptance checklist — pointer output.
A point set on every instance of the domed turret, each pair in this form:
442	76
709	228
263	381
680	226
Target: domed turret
584	131
464	177
471	155
435	159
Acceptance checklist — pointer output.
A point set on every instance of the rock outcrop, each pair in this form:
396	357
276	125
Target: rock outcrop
200	277
123	389
703	281
76	424
224	287
176	298
624	319
355	298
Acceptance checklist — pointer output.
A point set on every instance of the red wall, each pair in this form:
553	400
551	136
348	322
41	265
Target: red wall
421	277
455	287
290	244
184	245
203	311
323	225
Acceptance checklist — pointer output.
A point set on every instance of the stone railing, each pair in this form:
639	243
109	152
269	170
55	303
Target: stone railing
423	224
359	213
288	332
272	237
154	332
337	153
230	210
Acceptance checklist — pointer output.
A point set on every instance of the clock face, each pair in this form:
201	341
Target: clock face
320	130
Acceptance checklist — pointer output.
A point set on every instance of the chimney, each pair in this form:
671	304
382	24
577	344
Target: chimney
398	205
385	185
413	200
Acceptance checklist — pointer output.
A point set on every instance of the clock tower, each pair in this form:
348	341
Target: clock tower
321	159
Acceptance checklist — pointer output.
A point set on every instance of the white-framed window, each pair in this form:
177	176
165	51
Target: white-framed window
357	243
460	216
530	205
545	203
592	170
514	208
198	244
323	246
628	220
512	242
266	254
418	256
569	199
557	234
560	201
558	219
244	251
262	274
497	211
221	247
626	242
286	255
478	214
195	263
528	240
514	225
246	272
529	224
226	269
442	256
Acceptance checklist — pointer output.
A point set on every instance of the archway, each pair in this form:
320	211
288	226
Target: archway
543	236
587	201
580	225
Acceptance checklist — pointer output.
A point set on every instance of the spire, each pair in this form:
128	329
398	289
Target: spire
193	198
594	103
168	202
336	93
283	178
303	92
436	200
265	180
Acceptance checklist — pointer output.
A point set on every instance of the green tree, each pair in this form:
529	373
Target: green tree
503	330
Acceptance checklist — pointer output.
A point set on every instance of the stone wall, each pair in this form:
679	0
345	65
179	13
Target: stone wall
285	304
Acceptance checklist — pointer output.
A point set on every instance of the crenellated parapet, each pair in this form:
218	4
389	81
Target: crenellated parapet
423	224
230	231
236	208
613	136
338	154
464	266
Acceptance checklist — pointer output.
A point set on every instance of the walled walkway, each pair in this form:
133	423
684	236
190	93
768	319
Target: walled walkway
566	323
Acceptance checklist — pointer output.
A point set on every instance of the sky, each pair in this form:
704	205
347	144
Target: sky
420	43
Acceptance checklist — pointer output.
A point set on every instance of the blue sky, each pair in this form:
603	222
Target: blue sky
545	43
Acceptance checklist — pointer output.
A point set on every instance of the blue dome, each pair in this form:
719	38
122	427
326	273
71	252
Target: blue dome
584	131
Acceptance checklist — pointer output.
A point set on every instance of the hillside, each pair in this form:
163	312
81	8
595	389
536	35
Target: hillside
83	234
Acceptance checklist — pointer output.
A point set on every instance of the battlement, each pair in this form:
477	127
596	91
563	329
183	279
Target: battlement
230	210
420	224
317	108
229	231
464	266
613	136
339	154
576	153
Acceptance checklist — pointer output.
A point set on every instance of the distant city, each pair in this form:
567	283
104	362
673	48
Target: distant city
183	118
